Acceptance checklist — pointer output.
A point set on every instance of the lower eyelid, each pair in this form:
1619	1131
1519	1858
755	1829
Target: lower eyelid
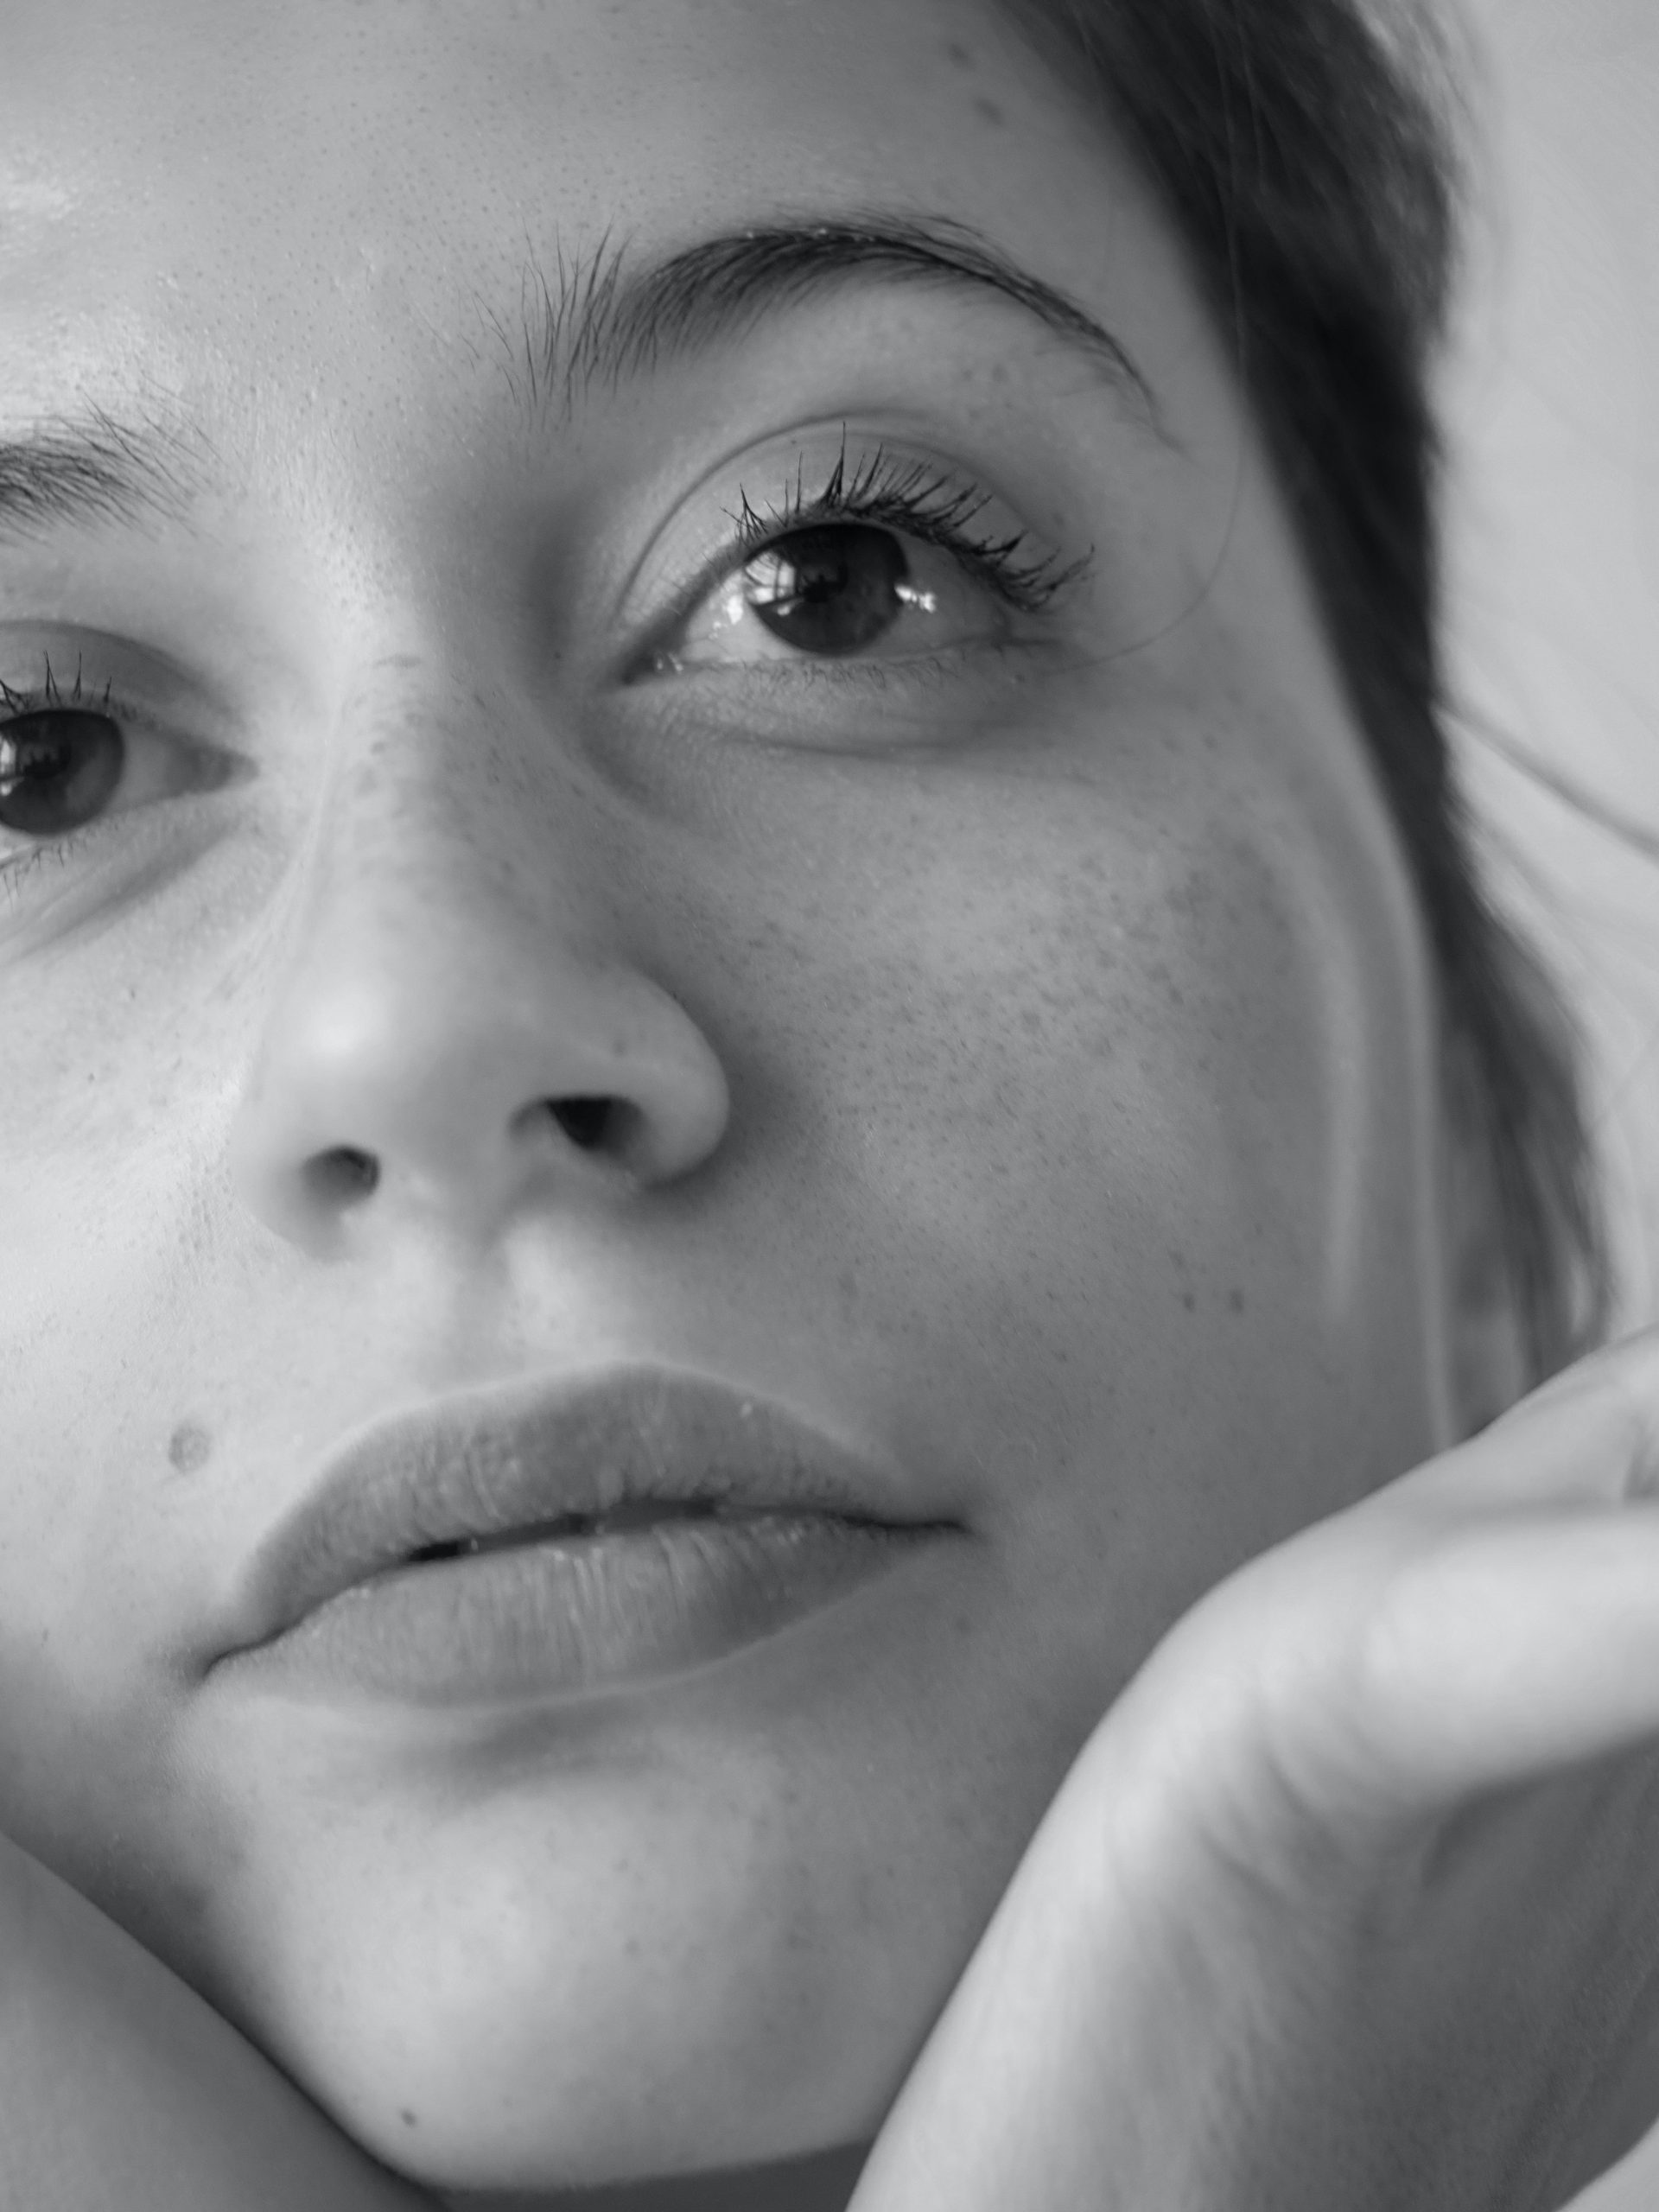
748	685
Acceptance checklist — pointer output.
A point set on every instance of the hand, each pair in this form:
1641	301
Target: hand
1352	1899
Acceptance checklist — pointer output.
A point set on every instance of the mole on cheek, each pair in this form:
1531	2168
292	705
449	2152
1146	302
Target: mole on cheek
188	1447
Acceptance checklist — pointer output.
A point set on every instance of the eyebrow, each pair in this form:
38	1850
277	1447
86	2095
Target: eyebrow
86	468
614	326
83	467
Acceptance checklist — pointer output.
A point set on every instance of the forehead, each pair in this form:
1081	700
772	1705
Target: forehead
255	208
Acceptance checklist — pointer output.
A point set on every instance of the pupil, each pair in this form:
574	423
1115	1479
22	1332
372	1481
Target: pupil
54	755
829	590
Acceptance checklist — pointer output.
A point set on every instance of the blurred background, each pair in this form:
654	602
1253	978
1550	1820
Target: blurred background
1552	403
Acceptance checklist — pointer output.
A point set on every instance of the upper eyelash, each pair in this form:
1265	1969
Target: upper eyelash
31	701
924	502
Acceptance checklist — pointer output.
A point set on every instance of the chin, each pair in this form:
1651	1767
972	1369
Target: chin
473	2045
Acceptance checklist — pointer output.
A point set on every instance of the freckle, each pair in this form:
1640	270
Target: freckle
959	53
407	2117
188	1447
1236	1300
988	109
1189	1300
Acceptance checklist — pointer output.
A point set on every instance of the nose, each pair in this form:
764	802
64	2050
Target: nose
437	1048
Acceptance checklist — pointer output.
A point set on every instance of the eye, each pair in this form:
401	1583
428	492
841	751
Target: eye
58	766
833	590
72	765
887	561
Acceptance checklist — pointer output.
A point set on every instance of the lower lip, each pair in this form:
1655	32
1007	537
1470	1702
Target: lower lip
578	1614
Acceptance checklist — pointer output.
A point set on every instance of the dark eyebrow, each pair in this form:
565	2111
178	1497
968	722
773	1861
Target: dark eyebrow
83	467
604	323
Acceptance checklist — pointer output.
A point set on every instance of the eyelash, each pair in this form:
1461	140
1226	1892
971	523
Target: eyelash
906	495
926	503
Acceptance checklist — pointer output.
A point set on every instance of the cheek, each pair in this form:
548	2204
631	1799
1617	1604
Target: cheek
1055	1044
1139	1129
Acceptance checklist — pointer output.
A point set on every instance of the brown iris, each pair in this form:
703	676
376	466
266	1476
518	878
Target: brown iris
830	590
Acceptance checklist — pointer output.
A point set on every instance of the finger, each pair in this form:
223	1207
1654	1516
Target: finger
1506	1653
1590	1436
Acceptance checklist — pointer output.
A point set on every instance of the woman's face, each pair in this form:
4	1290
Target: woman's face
1024	1018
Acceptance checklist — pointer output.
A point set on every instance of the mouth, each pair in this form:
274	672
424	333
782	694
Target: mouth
577	1606
551	1537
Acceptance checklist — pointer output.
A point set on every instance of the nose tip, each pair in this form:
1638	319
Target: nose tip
459	1114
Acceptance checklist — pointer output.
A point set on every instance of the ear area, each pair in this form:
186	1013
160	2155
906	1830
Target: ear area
1487	1351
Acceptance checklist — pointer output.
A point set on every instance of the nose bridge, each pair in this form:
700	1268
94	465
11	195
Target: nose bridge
438	802
453	1013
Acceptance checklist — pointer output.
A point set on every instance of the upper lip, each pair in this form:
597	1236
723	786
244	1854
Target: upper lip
488	1461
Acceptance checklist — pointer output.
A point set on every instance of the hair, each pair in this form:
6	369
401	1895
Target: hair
1307	153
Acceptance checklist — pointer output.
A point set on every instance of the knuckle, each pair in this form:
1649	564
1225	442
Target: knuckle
1416	1670
1394	1668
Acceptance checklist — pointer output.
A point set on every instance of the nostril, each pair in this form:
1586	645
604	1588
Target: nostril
345	1172
586	1122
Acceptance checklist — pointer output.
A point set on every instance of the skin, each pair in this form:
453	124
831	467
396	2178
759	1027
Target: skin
1037	1067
